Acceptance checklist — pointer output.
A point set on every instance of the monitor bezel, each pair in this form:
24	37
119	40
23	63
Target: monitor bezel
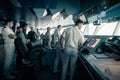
94	43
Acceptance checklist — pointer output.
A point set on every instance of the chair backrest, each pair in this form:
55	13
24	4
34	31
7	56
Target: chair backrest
21	47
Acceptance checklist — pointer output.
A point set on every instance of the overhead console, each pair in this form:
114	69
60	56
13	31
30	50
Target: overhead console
105	11
113	13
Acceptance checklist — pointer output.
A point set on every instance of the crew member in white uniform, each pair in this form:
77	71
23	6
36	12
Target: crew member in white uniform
48	38
56	37
8	36
72	40
38	35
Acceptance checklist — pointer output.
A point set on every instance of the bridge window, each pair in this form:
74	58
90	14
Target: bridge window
117	30
103	29
106	28
89	29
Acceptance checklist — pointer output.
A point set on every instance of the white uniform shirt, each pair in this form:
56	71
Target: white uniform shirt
48	36
56	36
73	37
38	35
5	32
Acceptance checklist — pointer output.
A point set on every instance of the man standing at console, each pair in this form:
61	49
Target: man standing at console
72	39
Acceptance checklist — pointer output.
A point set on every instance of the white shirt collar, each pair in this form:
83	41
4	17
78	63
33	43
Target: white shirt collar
7	26
77	29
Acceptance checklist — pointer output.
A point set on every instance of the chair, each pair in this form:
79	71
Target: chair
27	57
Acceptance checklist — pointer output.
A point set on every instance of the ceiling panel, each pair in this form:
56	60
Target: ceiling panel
39	12
39	3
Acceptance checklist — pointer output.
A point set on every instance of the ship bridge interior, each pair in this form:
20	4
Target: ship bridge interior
99	57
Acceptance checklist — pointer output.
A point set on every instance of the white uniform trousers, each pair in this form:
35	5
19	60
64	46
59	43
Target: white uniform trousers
71	55
57	58
9	53
49	45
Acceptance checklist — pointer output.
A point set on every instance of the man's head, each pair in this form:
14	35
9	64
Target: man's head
59	27
37	30
79	23
32	29
9	23
19	29
25	26
48	29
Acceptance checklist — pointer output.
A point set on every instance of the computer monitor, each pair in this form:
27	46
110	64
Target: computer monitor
93	42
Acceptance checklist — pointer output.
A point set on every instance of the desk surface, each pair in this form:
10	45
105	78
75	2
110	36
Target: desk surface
108	67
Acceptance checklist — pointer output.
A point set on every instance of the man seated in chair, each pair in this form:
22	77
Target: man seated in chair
21	47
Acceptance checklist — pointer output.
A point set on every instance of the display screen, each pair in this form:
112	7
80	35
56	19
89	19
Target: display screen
93	42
